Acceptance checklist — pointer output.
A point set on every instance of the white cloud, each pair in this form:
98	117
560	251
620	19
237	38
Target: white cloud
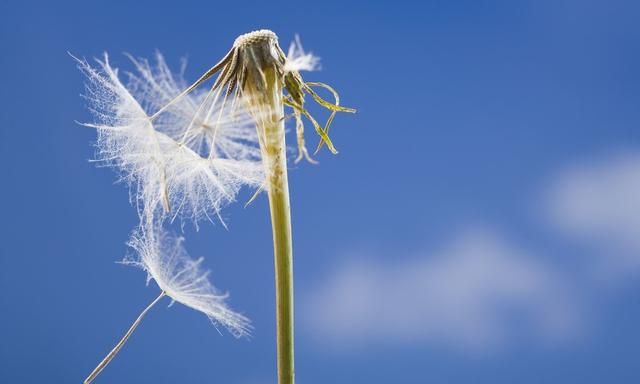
598	204
481	290
476	293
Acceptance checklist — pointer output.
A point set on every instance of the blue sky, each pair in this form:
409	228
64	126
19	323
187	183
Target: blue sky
480	224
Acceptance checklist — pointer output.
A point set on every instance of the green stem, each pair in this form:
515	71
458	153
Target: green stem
275	149
263	91
283	260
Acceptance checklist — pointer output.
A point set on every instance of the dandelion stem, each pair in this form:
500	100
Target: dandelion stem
282	241
283	259
103	364
268	99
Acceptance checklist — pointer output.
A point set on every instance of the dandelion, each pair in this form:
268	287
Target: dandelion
258	71
186	153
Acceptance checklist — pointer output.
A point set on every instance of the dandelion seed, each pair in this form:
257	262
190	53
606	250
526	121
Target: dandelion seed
193	173
298	60
166	261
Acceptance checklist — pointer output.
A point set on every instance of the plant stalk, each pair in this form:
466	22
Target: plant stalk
283	262
262	89
282	239
271	130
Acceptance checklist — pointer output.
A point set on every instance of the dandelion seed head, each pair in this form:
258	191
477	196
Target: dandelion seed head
166	261
254	37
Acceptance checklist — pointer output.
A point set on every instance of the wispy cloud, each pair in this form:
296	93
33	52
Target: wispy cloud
598	205
477	292
481	289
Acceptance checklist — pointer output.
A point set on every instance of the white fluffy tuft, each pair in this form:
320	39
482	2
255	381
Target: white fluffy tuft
192	159
298	60
166	261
